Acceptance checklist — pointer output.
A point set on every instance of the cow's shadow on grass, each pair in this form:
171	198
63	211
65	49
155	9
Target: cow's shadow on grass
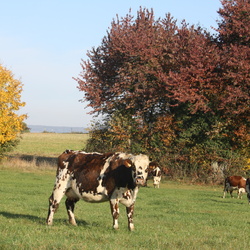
229	201
39	220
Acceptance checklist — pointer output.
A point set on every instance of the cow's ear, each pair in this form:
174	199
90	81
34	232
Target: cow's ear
128	163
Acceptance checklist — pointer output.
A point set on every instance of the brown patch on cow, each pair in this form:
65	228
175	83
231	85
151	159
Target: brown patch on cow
62	158
236	181
118	175
85	169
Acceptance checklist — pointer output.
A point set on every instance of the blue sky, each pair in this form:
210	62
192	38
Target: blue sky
43	42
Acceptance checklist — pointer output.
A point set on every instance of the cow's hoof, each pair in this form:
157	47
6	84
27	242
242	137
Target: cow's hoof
131	227
49	223
73	223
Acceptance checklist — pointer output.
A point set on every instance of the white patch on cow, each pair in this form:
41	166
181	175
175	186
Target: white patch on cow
100	188
81	152
157	180
92	197
62	182
116	226
124	196
241	191
74	192
141	164
131	227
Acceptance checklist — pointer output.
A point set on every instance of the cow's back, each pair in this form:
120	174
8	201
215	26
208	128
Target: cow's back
236	181
87	170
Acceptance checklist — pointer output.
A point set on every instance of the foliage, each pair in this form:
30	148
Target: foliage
175	92
26	129
11	124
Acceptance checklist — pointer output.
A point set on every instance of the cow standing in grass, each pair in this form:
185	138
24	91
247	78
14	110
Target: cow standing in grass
155	171
157	177
95	177
235	183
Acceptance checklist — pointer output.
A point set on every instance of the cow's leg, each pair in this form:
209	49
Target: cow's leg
231	194
54	201
114	205
59	190
226	188
130	213
239	194
70	205
224	193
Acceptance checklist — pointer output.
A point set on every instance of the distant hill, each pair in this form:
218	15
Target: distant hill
55	129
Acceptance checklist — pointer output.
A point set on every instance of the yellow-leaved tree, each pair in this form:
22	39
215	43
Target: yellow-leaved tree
11	123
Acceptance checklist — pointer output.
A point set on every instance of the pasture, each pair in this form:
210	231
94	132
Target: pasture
176	216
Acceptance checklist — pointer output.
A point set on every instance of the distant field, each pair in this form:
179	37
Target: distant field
42	149
49	144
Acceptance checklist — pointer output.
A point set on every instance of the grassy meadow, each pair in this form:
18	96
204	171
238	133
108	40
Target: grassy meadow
176	216
49	144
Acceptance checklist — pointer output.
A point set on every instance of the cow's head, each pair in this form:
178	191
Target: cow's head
139	166
156	180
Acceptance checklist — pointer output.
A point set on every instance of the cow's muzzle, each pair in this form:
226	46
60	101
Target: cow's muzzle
140	181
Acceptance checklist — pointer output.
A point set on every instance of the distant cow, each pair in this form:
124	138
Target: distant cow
235	183
155	171
94	177
248	189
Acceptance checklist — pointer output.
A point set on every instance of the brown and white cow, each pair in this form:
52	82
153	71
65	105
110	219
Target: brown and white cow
235	183
248	189
95	177
157	177
155	171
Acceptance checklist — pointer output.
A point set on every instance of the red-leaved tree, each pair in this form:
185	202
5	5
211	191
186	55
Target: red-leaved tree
173	91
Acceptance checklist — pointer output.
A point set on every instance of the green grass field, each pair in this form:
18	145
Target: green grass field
176	216
49	144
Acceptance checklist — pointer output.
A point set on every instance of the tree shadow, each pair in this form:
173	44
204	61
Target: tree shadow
38	160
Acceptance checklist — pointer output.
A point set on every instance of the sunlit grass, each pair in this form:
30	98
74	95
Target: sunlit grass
176	216
186	217
49	144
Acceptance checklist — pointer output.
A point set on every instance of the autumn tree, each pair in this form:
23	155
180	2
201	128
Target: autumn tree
10	102
234	99
174	90
122	74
